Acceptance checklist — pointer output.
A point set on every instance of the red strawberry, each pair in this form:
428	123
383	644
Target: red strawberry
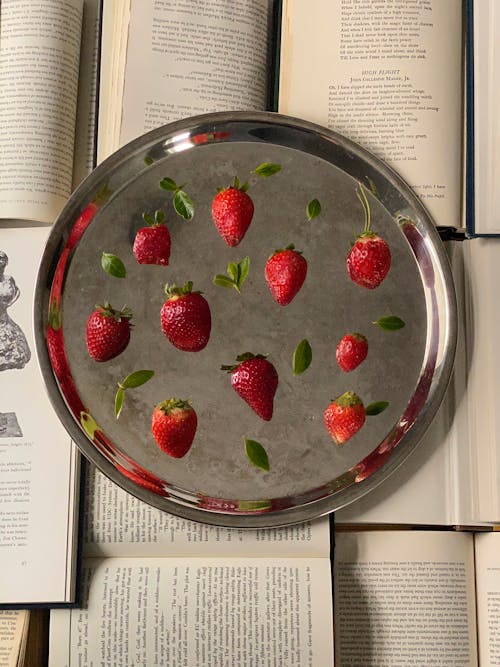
108	332
232	212
255	379
344	417
285	272
86	217
369	260
185	318
174	426
152	243
351	351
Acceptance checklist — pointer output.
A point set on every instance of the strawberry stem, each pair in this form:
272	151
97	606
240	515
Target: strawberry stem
361	195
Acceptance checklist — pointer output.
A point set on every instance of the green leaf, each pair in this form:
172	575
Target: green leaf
266	169
253	505
376	408
168	184
223	281
89	424
159	216
233	271
148	160
183	205
313	209
302	357
256	454
390	323
119	398
136	379
244	265
113	265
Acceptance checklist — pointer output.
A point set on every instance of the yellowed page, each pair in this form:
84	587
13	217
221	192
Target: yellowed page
198	611
39	58
487	550
403	598
13	626
388	76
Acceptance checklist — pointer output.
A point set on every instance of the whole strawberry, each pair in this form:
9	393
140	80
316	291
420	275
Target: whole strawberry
351	351
152	243
173	426
232	212
285	272
344	417
369	259
108	332
185	318
255	379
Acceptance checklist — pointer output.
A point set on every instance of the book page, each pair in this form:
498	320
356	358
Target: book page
118	524
486	121
404	598
39	56
185	58
487	550
38	463
86	116
389	77
192	611
13	629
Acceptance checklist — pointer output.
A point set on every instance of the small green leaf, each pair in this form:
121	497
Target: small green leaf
302	357
253	505
159	216
113	265
168	184
256	454
376	408
233	271
223	281
266	169
119	398
89	424
183	205
313	209
244	265
136	379
148	160
390	323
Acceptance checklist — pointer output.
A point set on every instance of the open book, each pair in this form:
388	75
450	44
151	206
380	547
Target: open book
417	597
157	589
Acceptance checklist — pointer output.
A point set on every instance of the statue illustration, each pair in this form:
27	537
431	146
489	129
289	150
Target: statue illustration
14	349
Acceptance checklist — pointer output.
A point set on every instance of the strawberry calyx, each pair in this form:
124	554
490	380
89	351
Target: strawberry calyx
348	400
107	310
174	291
290	246
246	356
171	404
236	185
154	220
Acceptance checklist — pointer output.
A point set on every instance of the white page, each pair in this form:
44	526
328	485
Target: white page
38	462
185	58
118	524
487	550
198	611
404	598
388	77
39	56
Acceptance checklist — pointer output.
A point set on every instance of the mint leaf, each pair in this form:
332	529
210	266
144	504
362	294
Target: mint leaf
302	357
119	398
244	265
256	454
313	209
183	205
266	169
223	281
148	160
390	323
376	408
233	271
237	273
113	265
136	379
89	424
168	184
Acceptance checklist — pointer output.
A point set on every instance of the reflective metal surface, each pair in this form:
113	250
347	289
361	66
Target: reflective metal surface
215	482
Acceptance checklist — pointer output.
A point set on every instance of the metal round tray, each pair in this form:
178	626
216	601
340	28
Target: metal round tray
215	482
